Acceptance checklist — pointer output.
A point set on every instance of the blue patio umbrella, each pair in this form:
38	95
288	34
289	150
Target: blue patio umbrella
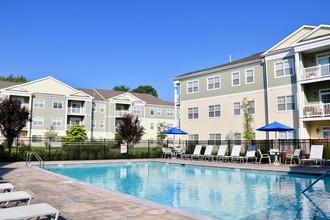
174	131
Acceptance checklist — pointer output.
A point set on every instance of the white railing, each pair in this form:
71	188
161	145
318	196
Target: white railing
76	111
315	72
120	113
316	110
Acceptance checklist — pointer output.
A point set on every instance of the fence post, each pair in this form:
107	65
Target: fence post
148	148
104	148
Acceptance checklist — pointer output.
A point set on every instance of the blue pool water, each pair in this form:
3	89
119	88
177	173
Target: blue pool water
216	192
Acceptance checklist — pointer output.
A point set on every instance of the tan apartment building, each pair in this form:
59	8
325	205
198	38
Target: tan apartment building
54	103
289	83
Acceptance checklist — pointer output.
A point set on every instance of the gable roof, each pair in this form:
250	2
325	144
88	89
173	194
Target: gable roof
322	30
253	57
5	84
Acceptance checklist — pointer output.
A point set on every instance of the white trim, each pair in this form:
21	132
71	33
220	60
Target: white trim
283	68
320	54
312	44
57	101
240	112
280	55
196	107
54	119
192	81
285	103
34	104
308	34
208	111
207	83
232	78
252	75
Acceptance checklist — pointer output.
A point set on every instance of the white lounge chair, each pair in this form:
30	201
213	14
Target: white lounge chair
251	153
196	153
262	156
316	155
221	152
16	196
292	157
29	211
235	154
208	152
7	187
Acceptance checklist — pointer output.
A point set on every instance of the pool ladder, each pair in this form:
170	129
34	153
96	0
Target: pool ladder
323	175
36	155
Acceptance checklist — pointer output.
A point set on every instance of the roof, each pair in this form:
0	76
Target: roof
253	57
5	84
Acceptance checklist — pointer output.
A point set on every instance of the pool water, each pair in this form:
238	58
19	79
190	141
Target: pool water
216	192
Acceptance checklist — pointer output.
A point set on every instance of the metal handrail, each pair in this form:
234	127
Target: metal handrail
323	175
29	156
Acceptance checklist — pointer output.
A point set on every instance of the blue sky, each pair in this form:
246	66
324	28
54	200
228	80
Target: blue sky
105	43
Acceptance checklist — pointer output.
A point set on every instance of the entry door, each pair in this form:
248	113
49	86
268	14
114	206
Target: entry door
323	60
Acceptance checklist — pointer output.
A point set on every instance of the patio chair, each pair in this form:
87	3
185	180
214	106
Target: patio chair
196	153
178	151
235	154
251	153
167	152
316	155
29	211
208	152
262	156
7	187
221	152
292	157
17	196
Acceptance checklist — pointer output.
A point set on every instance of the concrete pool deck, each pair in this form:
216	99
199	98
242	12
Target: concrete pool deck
79	200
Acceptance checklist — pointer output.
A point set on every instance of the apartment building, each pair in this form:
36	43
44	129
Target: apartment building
289	83
54	103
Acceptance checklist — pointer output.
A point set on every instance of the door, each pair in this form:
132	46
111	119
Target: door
323	60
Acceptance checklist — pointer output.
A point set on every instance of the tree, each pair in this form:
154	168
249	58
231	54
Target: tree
13	118
122	88
161	127
12	78
146	90
247	119
130	129
76	133
50	134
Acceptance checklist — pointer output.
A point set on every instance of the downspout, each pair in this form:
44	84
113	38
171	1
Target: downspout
266	95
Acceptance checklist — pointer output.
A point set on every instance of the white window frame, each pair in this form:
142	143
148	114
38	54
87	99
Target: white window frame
56	121
193	86
234	78
169	112
101	124
253	107
286	135
56	103
38	103
193	137
137	110
38	121
286	103
215	138
193	111
159	112
152	126
216	108
102	108
246	76
214	81
325	130
36	138
285	63
234	105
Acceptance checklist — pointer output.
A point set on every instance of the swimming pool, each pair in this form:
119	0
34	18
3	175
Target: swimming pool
216	192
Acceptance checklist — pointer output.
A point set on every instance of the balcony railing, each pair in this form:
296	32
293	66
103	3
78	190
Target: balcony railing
76	111
315	72
120	113
317	110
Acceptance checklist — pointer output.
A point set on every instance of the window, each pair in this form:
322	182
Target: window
235	79
249	76
192	86
283	68
57	122
237	136
94	107
57	104
214	111
19	100
38	121
237	108
136	110
169	126
101	124
251	109
102	108
215	139
159	111
152	111
213	83
193	137
152	126
326	132
36	138
193	113
39	103
169	112
285	103
286	135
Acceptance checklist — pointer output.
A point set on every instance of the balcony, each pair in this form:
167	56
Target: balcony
76	111
317	110
315	72
120	113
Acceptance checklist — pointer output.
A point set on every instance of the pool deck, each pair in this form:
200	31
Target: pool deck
79	200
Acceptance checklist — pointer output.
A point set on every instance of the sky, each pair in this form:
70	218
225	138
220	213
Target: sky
105	43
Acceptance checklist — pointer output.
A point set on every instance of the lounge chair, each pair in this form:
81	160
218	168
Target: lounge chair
235	154
262	156
251	153
221	152
316	155
29	211
196	153
16	196
208	152
7	187
292	157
